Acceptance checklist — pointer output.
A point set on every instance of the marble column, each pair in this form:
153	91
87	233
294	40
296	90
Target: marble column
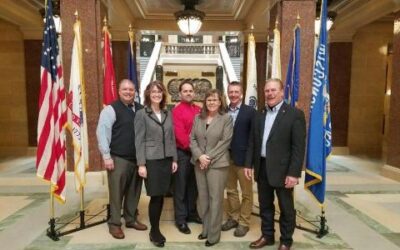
392	167
286	12
91	14
340	79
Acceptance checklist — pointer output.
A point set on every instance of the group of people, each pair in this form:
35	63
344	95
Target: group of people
205	150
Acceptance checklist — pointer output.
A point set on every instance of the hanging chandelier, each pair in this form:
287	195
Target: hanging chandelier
189	20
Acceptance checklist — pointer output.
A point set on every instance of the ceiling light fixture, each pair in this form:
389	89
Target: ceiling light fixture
189	20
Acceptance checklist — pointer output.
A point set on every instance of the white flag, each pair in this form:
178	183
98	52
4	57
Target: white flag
251	89
276	55
77	111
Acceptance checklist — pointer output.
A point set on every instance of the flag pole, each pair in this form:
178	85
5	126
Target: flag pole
82	210
319	143
323	229
81	189
105	28
51	231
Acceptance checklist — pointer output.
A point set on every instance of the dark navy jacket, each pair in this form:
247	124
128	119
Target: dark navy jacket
241	134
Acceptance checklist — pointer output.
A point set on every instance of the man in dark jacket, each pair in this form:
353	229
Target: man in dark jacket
278	152
239	212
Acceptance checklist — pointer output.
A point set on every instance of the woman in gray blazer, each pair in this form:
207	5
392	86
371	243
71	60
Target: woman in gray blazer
155	152
210	139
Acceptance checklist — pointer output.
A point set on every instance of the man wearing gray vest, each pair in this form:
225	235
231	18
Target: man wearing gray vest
116	138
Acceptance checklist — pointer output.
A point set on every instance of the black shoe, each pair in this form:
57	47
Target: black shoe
157	243
201	237
209	244
183	228
195	219
163	237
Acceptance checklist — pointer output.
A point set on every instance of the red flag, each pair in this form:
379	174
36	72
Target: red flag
50	160
109	86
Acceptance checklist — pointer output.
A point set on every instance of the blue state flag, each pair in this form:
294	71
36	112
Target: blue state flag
293	72
320	131
132	73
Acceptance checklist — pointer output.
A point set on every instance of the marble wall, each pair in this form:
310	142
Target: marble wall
339	80
13	108
32	55
392	167
368	81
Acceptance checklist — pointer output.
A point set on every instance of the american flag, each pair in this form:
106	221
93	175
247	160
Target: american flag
50	160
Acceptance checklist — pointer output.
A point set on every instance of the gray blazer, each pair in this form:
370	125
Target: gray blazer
213	141
154	139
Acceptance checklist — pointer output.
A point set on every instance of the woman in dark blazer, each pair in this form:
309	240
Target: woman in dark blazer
155	152
210	139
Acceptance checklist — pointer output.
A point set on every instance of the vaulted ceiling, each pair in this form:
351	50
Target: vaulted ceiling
221	15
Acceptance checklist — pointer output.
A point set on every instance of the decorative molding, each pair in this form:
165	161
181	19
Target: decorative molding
208	74
215	9
359	13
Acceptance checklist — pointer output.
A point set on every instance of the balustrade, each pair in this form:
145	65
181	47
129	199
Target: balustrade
190	49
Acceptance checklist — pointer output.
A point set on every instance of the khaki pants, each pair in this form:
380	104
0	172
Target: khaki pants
239	211
211	184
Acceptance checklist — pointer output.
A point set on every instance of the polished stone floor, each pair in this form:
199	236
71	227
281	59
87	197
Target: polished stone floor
362	211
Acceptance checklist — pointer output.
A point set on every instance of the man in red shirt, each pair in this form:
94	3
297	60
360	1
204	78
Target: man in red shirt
185	189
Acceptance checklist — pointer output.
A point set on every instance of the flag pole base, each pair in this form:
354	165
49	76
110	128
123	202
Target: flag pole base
317	227
323	228
51	231
57	227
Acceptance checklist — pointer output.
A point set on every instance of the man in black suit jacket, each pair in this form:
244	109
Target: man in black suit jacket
278	153
239	212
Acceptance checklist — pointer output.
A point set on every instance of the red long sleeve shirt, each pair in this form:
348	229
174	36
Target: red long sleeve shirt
183	115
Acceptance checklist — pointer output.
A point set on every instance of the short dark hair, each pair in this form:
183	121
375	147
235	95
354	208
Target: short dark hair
185	82
236	83
221	97
159	85
275	80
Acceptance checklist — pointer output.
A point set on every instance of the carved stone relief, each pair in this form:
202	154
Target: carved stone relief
201	85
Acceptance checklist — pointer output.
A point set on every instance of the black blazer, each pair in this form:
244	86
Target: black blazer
285	145
241	134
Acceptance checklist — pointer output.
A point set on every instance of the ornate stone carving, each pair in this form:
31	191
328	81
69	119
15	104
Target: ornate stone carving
201	85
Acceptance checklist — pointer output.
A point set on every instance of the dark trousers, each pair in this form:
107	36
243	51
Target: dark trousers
287	218
125	186
185	188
